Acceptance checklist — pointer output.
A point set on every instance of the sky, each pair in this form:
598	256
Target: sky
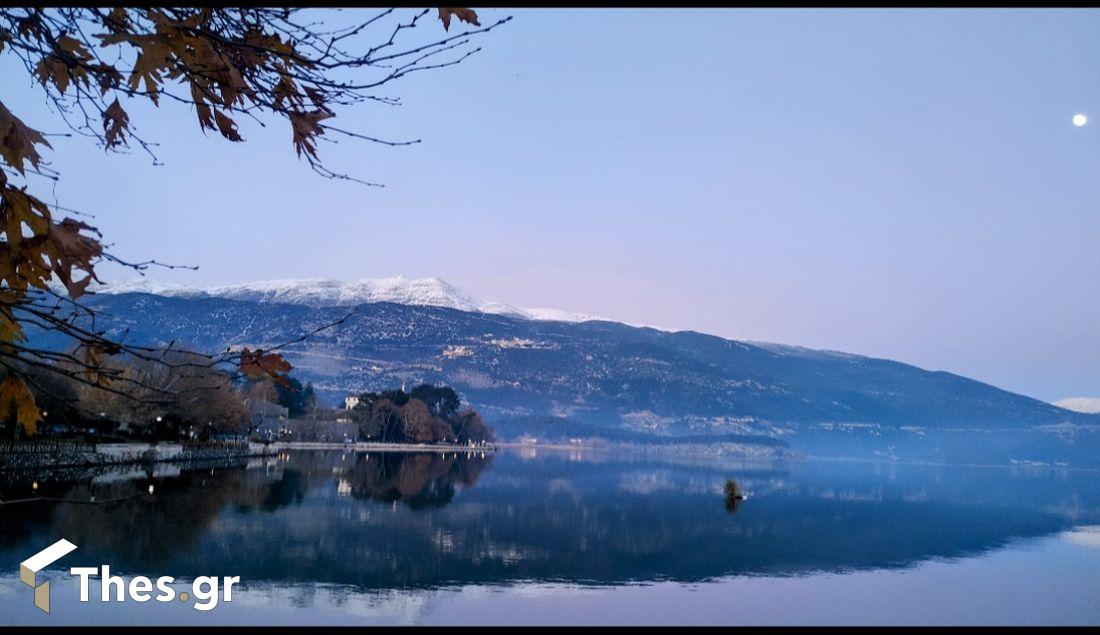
897	183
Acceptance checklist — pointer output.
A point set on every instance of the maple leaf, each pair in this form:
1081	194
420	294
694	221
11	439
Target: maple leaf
93	361
118	20
150	62
70	250
67	62
16	399
17	141
205	115
226	126
23	258
10	329
74	47
53	70
317	96
115	124
462	13
259	365
286	90
305	126
108	77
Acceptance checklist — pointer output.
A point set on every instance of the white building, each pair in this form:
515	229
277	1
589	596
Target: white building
350	402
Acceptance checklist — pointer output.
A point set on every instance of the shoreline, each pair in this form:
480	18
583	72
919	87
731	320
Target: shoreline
114	454
121	454
382	447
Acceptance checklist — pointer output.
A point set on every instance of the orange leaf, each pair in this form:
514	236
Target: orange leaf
16	398
463	14
259	365
17	141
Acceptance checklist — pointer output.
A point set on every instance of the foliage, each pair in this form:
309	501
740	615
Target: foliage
298	400
428	414
442	401
227	64
171	397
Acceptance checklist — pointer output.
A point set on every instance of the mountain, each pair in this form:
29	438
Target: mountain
1080	404
559	379
318	292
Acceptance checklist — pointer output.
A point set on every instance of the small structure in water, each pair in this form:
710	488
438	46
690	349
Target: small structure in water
734	495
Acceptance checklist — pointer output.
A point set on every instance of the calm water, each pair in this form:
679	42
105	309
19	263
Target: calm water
560	537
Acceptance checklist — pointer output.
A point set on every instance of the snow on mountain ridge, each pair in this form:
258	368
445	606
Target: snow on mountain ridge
324	292
1088	405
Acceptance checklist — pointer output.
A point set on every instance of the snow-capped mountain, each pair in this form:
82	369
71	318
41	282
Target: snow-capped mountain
319	292
1089	405
531	372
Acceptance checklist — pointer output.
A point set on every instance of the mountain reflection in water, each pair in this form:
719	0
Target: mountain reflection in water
393	520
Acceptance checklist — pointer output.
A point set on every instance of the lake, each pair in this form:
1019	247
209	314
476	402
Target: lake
561	537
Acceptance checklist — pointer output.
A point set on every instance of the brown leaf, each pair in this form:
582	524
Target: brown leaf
10	329
305	126
151	61
206	116
463	14
115	124
53	70
317	96
73	47
226	126
286	90
259	365
23	261
17	141
118	20
72	251
16	399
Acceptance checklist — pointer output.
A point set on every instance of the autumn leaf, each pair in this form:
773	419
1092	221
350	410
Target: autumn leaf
227	126
118	20
205	115
259	365
68	61
463	14
10	329
17	141
16	399
115	123
305	126
74	47
72	251
93	361
150	62
317	96
53	70
286	90
23	261
108	77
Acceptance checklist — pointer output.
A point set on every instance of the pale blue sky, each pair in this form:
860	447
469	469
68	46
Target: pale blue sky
904	184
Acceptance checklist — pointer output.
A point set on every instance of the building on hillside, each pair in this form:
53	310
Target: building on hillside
350	402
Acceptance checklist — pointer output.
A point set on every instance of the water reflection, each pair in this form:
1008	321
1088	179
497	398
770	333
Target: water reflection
395	521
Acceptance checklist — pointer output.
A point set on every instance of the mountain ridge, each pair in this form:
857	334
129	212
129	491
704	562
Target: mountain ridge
322	292
605	379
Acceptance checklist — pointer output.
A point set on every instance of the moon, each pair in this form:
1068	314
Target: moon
1080	120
